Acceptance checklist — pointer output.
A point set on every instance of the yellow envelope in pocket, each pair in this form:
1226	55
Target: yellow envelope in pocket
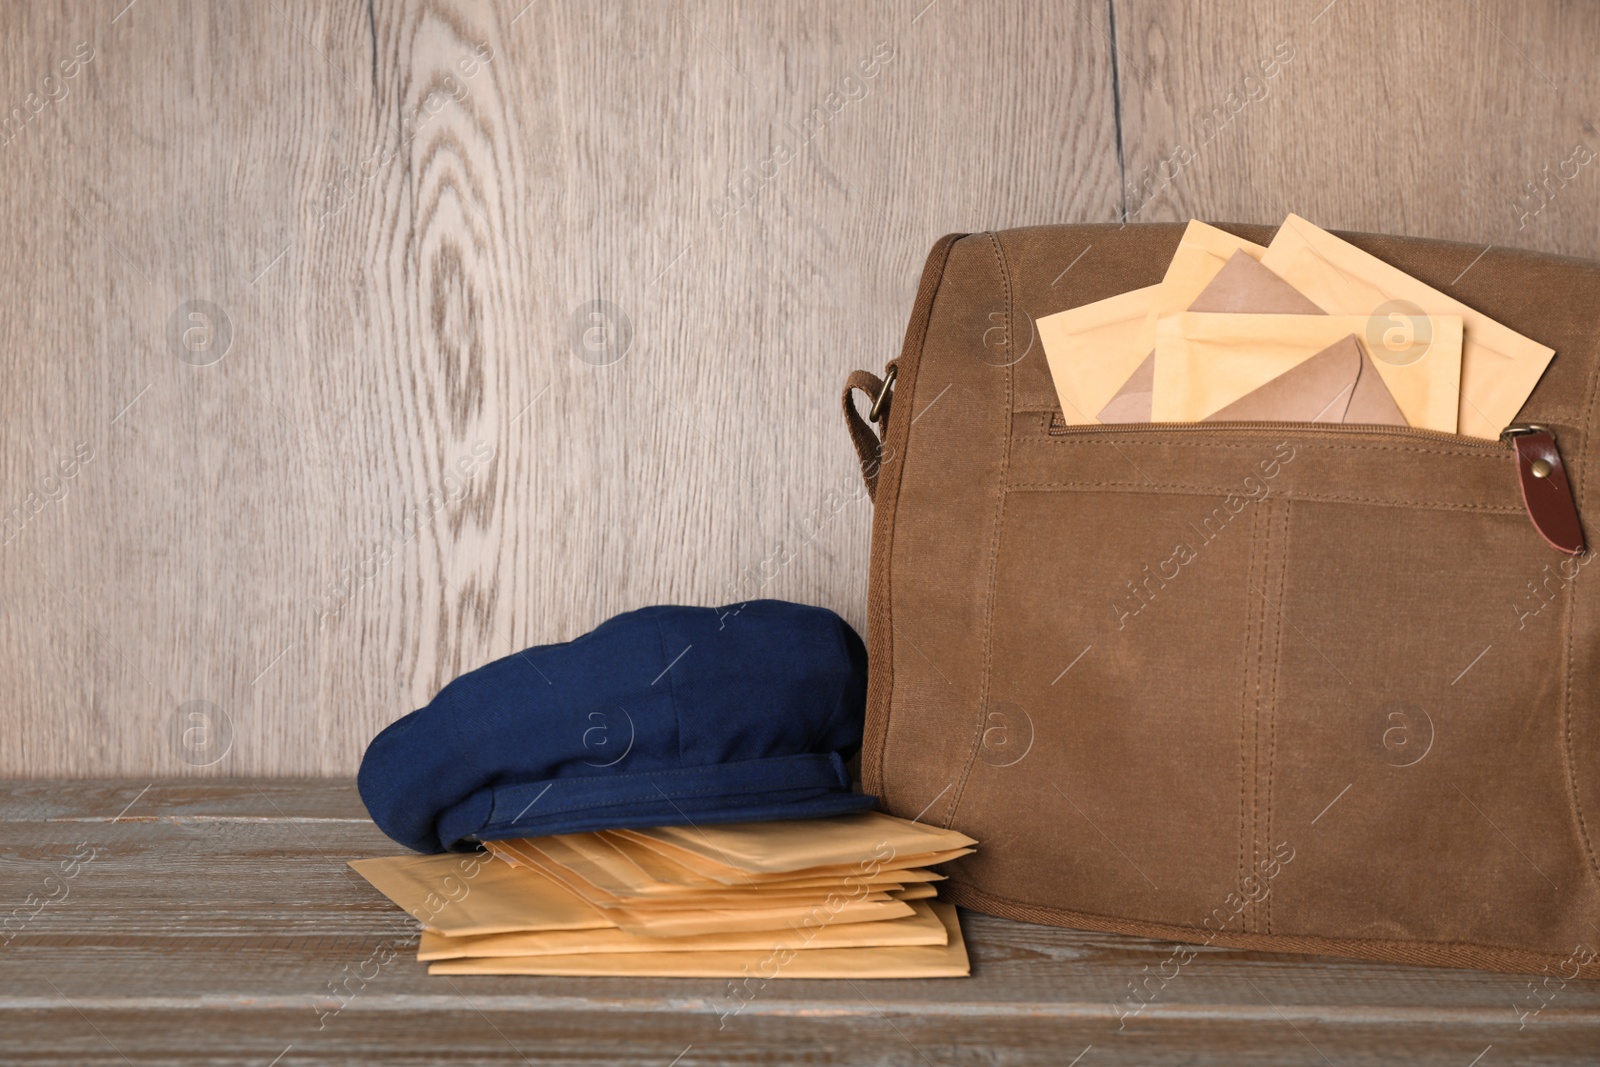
1242	285
1206	362
1096	349
1093	349
1499	367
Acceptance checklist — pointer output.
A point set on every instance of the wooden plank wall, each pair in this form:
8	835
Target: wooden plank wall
306	408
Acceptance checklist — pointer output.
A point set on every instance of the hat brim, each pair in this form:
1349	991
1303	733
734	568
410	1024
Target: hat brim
811	786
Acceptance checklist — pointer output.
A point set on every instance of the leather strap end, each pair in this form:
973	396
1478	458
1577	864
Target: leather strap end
1546	493
869	444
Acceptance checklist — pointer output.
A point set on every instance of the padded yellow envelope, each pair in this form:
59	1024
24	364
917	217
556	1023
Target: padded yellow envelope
867	837
837	909
1499	367
628	868
1205	362
718	871
499	898
1092	349
921	928
558	860
439	892
914	892
779	959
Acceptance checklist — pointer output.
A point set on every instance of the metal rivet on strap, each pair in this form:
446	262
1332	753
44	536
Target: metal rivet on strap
1540	468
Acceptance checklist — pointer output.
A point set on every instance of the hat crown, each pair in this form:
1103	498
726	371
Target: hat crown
644	718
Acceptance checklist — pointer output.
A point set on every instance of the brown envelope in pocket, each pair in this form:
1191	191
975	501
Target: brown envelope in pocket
1338	384
1241	285
1205	362
1202	253
1244	286
1133	403
1094	350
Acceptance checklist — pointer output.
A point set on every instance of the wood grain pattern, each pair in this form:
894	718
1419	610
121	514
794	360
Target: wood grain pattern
386	448
408	462
1471	121
217	923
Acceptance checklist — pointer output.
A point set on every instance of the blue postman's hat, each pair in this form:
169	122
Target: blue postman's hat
662	716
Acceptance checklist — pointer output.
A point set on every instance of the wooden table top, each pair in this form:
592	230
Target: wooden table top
214	921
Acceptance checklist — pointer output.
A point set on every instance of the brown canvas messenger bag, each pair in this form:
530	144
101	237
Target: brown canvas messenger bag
1276	686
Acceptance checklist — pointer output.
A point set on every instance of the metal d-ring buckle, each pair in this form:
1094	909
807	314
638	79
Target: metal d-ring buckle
1520	429
883	394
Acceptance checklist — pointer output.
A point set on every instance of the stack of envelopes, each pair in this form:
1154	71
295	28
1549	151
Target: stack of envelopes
848	896
1309	328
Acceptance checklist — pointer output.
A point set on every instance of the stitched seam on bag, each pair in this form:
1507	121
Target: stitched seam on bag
1567	753
994	548
1244	723
1266	665
1272	705
885	511
1220	490
1271	620
1265	658
1331	446
1569	617
1250	697
922	316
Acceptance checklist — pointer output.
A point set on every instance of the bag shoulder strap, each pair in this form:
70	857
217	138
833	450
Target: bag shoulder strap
869	444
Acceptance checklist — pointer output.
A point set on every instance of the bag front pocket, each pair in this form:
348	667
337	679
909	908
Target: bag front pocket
1415	738
1280	679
